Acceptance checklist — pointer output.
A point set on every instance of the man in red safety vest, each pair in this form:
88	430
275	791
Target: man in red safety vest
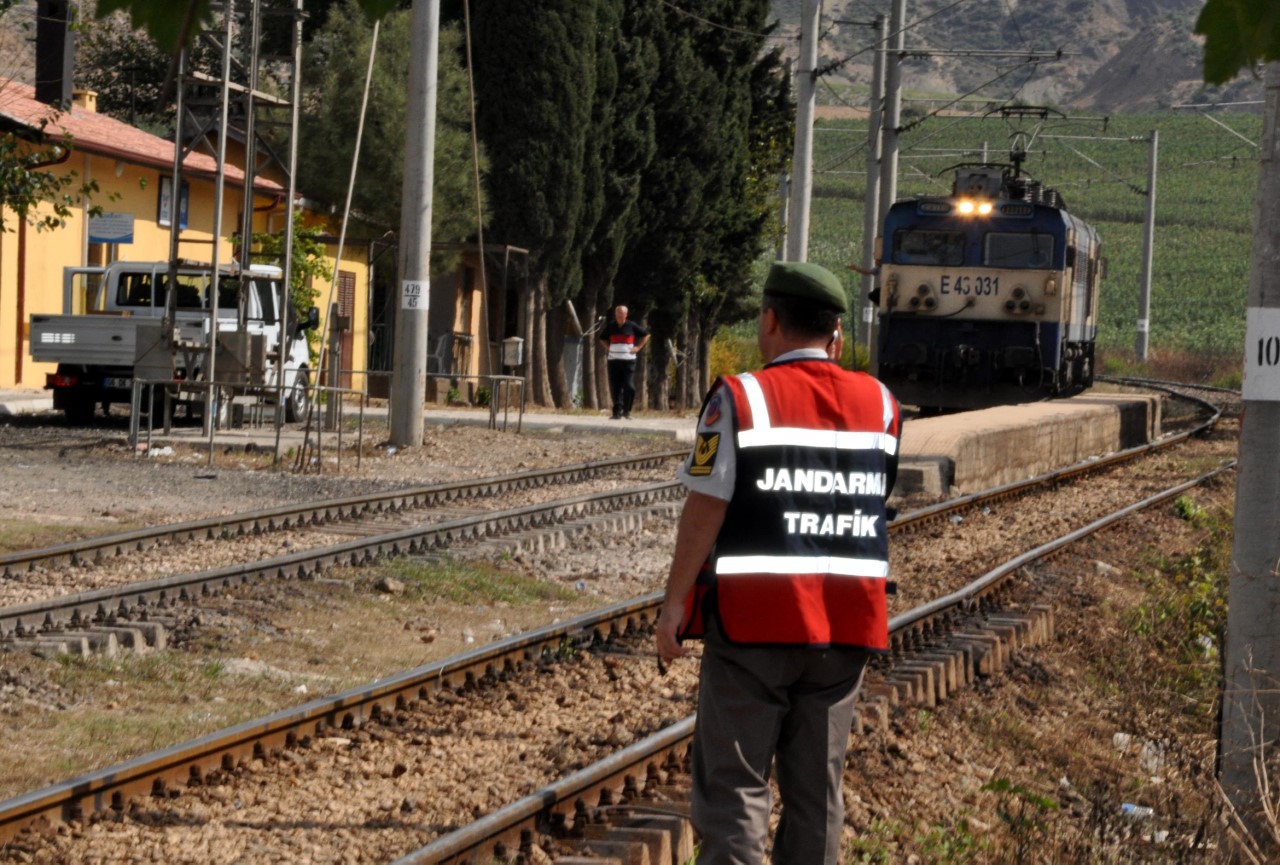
781	567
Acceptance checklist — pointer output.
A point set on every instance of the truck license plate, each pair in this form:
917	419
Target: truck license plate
117	383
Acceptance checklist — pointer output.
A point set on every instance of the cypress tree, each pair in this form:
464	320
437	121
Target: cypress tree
336	64
535	73
699	209
620	146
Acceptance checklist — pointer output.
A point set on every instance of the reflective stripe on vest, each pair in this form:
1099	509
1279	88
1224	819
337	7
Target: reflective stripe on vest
764	434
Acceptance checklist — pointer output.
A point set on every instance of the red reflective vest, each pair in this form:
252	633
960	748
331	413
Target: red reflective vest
803	557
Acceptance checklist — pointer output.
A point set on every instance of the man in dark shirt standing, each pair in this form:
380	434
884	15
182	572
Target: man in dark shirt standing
623	339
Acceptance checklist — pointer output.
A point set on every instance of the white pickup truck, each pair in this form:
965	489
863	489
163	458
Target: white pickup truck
111	329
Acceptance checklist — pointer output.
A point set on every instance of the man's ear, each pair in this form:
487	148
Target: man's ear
768	321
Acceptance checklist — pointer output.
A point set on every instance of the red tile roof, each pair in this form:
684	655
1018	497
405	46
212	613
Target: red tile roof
106	136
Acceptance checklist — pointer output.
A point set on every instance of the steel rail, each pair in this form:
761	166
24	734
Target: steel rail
139	601
191	761
111	788
558	803
1165	385
316	513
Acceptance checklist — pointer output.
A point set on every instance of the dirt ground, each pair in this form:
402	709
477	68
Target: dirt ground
1035	766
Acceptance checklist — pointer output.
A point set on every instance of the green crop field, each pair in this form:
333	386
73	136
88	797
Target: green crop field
1206	181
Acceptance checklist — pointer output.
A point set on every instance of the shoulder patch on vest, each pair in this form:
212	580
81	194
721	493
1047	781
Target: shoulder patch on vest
704	453
712	412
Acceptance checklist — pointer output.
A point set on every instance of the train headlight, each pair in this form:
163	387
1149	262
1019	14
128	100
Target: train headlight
1051	286
969	207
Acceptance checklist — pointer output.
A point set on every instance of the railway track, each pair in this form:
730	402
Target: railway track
137	612
119	606
95	550
918	637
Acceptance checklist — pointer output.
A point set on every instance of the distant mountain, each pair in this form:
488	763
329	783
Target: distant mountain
1118	56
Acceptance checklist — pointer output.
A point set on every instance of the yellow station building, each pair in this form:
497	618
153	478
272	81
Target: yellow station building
133	171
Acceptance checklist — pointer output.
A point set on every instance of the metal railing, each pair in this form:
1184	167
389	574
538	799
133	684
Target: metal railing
221	399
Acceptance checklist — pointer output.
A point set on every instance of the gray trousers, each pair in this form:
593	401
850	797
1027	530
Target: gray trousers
755	704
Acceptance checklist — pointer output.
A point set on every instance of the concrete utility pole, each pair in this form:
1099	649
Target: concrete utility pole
1251	704
802	155
892	117
409	369
871	200
1148	247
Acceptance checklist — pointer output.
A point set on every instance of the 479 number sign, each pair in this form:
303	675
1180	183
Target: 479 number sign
1262	355
414	294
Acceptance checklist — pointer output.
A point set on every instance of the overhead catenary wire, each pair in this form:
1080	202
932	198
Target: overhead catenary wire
832	67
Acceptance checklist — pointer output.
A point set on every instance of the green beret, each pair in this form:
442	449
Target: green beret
810	282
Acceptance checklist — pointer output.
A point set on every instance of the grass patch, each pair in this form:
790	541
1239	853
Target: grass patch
1186	612
18	535
1219	369
112	709
472	583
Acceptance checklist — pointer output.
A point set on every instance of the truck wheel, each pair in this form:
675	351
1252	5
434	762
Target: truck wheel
299	398
79	410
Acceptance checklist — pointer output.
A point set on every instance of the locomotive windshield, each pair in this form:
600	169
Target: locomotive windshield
1018	250
920	246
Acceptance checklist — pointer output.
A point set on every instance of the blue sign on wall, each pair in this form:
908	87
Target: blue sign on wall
111	228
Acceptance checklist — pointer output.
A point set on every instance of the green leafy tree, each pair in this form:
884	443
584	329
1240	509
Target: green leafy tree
309	264
126	68
1238	34
702	204
174	24
336	65
746	218
33	187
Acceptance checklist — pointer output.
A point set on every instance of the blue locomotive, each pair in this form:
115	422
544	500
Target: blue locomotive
988	296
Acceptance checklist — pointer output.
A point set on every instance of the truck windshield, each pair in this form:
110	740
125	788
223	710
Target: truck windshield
267	299
134	290
228	287
137	290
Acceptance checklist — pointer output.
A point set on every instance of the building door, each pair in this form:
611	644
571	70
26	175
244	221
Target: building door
346	336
